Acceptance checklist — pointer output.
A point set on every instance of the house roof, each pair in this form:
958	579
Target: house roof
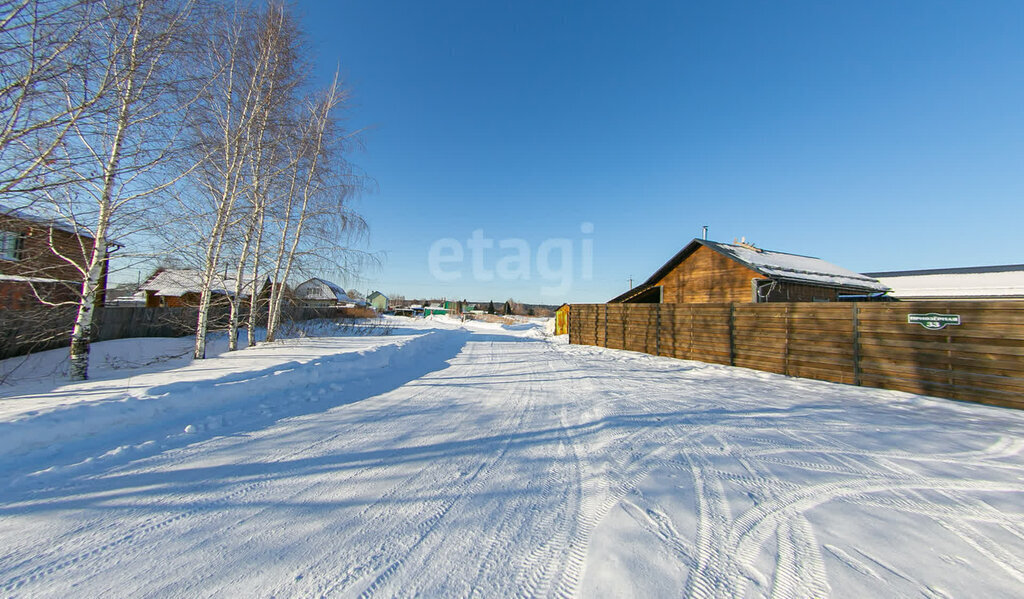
969	270
632	293
973	282
59	223
176	282
778	266
321	289
375	295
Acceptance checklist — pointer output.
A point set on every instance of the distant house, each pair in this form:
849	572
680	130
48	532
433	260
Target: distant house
956	284
318	292
40	258
378	300
182	287
137	299
434	309
710	272
458	306
356	298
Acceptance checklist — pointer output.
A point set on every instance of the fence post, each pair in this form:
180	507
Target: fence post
605	326
657	330
625	317
953	391
789	325
732	328
856	343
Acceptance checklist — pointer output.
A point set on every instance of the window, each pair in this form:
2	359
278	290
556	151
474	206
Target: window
10	245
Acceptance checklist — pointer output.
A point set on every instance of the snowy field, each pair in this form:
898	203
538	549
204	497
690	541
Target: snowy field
492	461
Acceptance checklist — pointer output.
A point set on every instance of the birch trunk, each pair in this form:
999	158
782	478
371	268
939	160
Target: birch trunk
236	301
81	333
320	121
237	131
254	302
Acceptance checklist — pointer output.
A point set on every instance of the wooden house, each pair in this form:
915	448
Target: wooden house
321	293
711	272
42	259
182	287
378	301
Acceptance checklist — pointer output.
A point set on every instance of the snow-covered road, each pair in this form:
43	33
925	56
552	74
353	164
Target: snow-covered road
501	463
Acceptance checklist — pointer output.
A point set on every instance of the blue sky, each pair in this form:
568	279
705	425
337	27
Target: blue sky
875	135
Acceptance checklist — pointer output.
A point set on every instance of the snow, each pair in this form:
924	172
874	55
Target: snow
982	284
35	214
178	282
321	289
452	459
21	279
799	268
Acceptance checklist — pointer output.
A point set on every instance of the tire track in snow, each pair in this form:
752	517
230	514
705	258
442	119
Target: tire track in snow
862	465
598	494
385	563
56	559
321	578
713	576
659	525
799	569
469	486
610	486
751	529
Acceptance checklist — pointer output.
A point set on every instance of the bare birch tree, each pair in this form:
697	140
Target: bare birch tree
278	38
101	105
249	55
131	141
42	49
315	203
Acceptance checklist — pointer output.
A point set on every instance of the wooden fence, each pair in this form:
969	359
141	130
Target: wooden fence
870	344
44	327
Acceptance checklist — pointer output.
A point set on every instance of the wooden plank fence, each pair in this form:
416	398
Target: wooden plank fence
870	344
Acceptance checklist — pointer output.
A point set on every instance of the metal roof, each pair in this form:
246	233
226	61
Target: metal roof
778	266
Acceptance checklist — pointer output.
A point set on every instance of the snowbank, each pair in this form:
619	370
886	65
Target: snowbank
217	393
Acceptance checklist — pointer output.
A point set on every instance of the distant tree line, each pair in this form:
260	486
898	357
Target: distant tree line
183	128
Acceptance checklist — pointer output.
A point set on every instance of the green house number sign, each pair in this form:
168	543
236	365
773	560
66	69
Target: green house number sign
933	321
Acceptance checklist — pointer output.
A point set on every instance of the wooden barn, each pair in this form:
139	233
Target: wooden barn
711	272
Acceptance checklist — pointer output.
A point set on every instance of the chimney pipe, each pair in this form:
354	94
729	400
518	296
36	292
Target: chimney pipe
705	234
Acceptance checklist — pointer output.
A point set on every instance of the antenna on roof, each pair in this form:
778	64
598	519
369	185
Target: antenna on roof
749	246
704	235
